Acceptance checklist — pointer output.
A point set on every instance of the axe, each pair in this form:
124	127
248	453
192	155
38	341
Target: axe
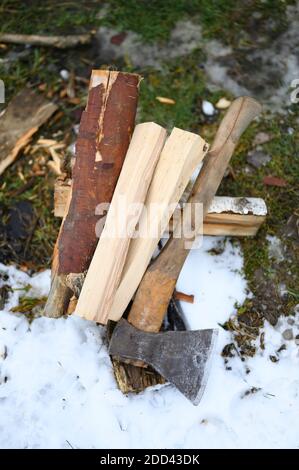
181	357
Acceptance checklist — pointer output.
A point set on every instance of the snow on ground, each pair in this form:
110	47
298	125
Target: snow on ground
57	387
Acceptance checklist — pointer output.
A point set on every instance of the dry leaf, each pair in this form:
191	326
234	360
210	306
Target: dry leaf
274	181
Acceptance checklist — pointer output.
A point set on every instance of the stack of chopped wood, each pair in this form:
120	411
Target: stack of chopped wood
103	258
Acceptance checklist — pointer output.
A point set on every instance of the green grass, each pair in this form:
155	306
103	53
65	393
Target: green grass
40	194
221	19
183	81
153	20
281	202
48	16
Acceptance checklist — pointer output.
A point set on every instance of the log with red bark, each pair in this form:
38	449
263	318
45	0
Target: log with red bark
104	135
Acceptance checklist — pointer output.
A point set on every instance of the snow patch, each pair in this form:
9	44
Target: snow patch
57	388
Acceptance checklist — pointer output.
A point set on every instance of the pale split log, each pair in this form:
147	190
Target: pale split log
180	156
105	269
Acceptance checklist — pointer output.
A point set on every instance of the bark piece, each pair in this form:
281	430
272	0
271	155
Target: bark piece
189	298
25	113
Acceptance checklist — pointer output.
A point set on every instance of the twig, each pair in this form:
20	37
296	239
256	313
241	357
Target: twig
61	42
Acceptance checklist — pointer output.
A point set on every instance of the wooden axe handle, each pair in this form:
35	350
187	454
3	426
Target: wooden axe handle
158	283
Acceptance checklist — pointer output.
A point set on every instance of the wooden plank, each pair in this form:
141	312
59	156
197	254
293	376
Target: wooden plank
105	269
105	130
25	113
180	156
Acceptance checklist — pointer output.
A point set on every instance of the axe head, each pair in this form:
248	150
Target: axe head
181	357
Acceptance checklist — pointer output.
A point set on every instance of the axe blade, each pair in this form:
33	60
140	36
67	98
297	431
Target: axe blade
181	357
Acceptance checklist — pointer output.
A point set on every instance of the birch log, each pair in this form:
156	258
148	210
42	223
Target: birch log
230	220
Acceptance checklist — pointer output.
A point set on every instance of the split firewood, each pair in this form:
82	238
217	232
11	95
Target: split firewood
60	42
227	216
104	135
147	312
25	113
180	156
105	269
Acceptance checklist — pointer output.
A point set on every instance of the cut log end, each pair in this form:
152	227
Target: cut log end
134	379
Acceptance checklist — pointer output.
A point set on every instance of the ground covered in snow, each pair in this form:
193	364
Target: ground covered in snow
57	388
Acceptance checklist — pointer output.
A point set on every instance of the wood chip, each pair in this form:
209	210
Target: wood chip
164	100
48	142
189	298
223	103
54	167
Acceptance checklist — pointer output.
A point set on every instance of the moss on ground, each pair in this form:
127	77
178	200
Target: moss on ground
48	16
153	20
